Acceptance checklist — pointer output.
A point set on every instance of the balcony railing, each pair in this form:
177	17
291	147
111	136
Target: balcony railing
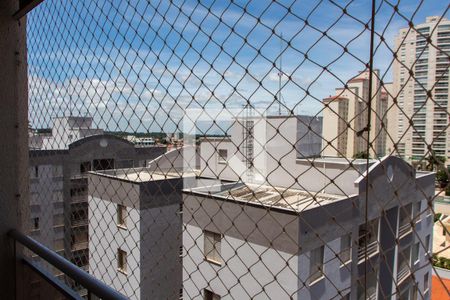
372	249
402	273
404	229
77	223
80	246
90	283
78	198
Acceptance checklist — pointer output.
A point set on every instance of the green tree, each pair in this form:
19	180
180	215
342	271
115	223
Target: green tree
442	177
361	155
434	162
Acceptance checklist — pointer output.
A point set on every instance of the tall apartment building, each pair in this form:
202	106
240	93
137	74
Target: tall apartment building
421	85
286	243
59	185
345	118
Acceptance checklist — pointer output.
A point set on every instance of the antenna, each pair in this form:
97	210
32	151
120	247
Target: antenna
280	74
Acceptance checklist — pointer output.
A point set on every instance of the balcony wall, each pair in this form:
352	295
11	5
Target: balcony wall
14	149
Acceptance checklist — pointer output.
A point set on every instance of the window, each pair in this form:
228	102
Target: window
417	208
57	171
367	288
405	218
346	248
121	260
425	282
36	223
85	167
316	264
211	296
368	236
103	164
121	216
427	244
346	297
36	171
415	254
58	245
223	156
58	220
212	246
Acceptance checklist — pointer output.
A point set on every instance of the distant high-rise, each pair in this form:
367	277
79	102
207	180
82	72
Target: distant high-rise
345	118
421	86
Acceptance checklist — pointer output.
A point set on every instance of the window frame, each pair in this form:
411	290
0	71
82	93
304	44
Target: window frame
209	295
122	261
316	275
215	240
220	158
36	224
347	249
415	257
122	214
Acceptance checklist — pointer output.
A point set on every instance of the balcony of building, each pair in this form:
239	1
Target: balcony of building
403	264
405	218
368	240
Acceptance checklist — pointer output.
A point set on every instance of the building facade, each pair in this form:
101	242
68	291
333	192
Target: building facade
59	188
345	118
421	86
256	146
136	224
285	243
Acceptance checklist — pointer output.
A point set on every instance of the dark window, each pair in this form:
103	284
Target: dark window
211	296
35	223
103	164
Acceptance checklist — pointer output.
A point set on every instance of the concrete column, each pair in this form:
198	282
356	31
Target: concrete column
14	192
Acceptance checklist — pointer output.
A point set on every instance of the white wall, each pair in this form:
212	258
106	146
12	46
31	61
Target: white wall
337	277
255	267
256	247
104	240
272	148
160	261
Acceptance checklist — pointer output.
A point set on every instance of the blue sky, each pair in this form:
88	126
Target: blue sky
138	65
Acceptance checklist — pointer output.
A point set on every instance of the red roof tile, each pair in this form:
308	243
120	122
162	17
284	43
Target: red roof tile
438	291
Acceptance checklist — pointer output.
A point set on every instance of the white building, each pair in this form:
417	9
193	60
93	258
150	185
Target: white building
246	227
59	186
257	146
428	112
136	227
283	243
66	130
141	141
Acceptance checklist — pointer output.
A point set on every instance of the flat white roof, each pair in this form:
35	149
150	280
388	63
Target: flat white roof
143	174
337	160
268	196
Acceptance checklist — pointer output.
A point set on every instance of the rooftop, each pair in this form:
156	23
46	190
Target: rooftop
337	160
139	175
268	196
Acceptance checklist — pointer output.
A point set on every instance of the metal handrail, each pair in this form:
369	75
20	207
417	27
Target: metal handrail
91	283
